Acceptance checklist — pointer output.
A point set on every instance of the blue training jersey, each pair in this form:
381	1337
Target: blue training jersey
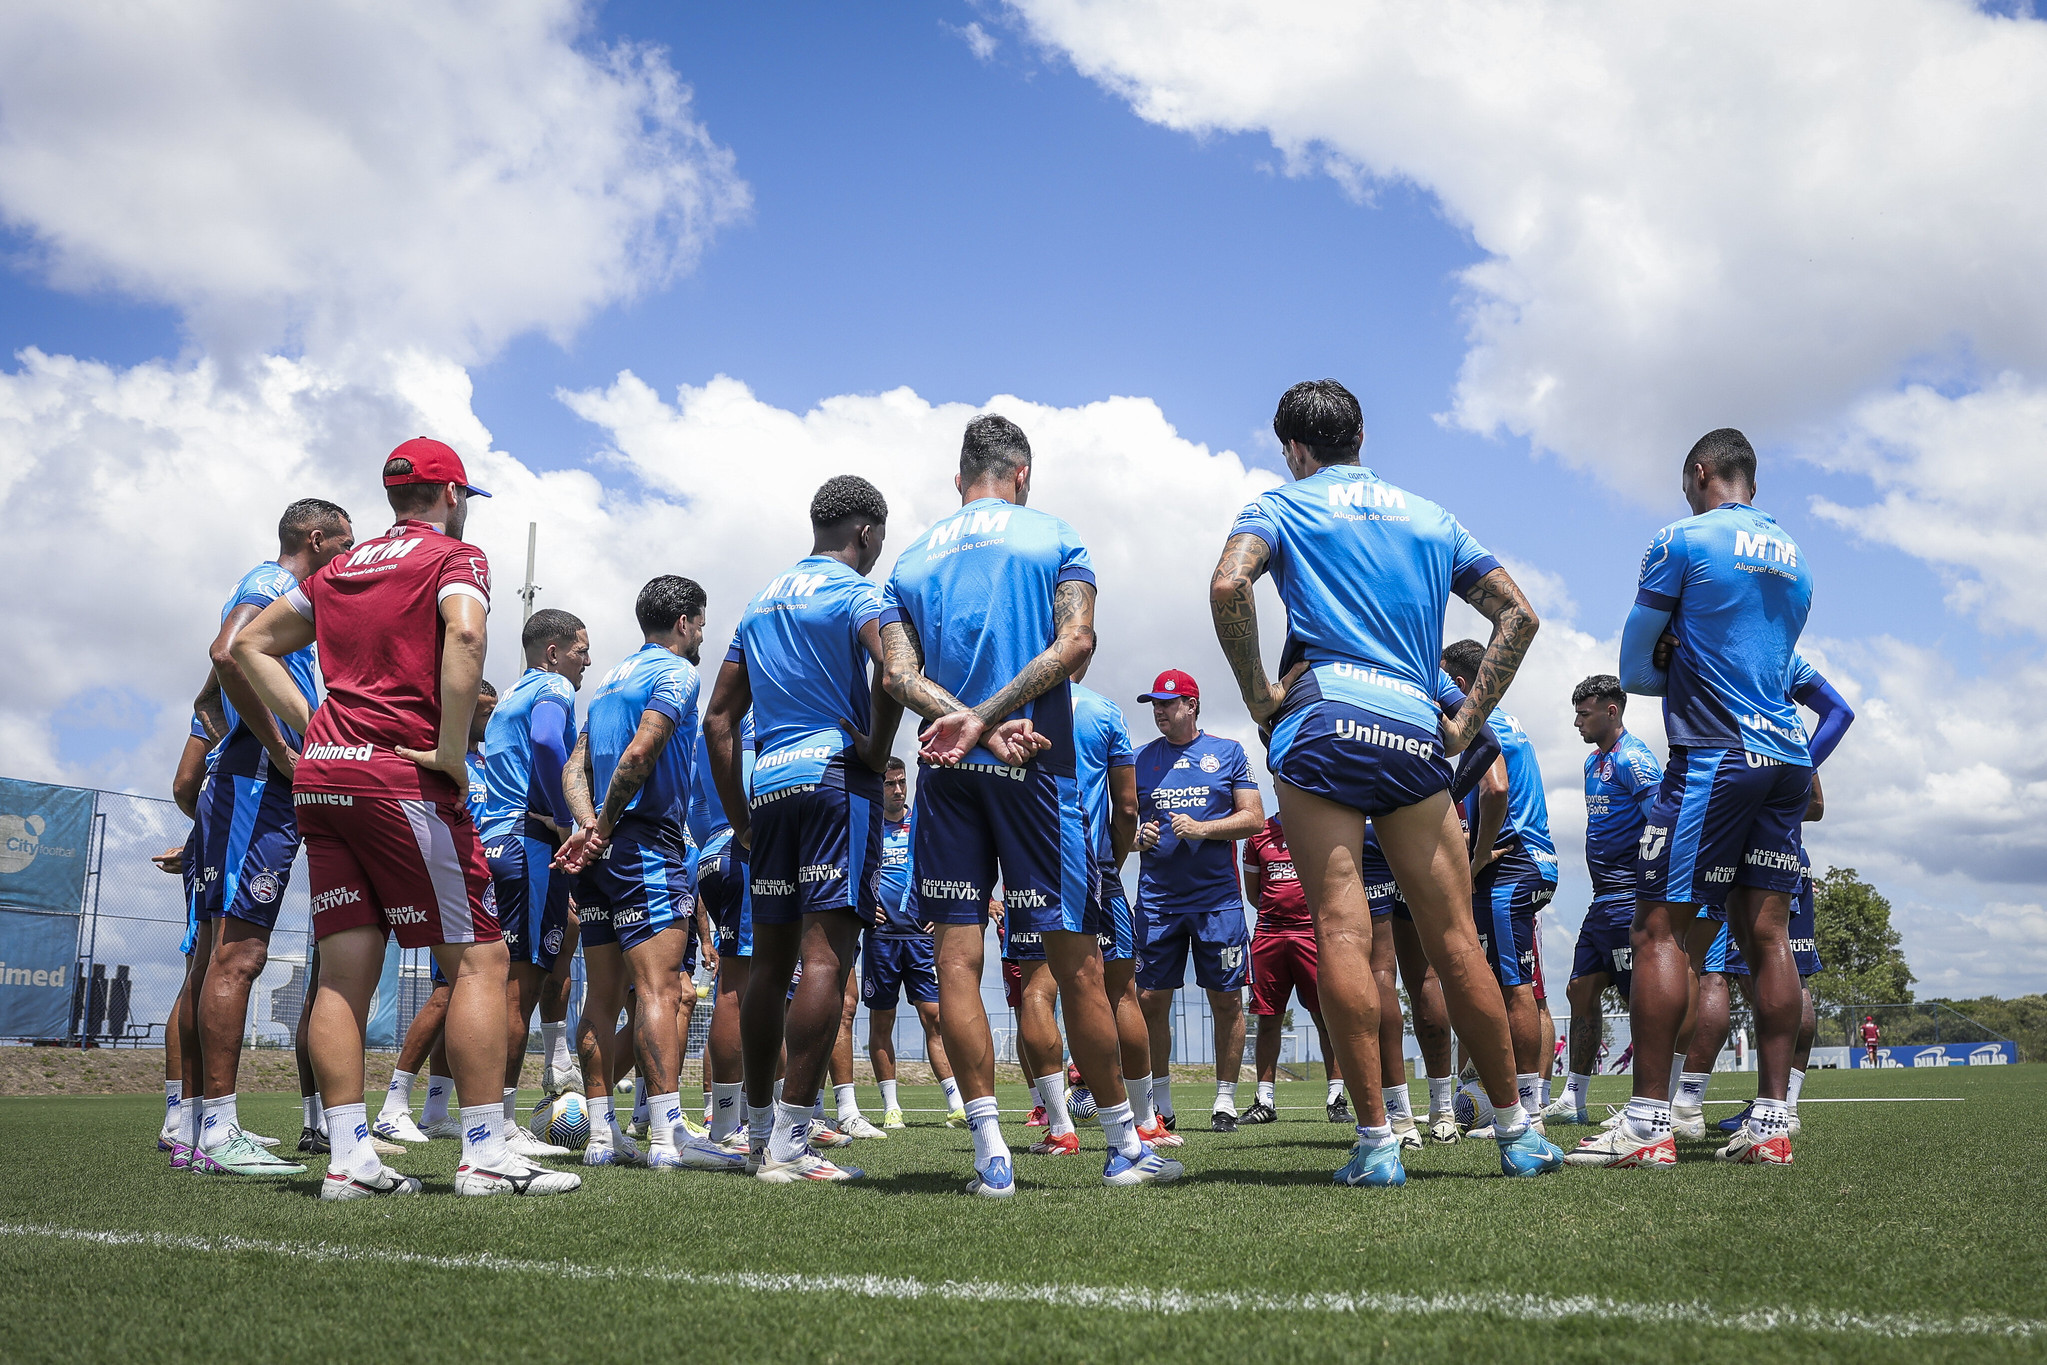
892	883
799	640
1101	741
241	752
1620	785
706	812
1365	571
977	587
1738	591
1527	818
654	679
528	740
1201	780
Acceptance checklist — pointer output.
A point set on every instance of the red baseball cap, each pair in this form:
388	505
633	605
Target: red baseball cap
1170	684
432	462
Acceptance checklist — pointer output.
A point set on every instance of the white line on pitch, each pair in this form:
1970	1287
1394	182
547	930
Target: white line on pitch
1515	1307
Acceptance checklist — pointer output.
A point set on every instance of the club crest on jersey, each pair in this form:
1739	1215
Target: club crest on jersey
1211	764
264	887
553	941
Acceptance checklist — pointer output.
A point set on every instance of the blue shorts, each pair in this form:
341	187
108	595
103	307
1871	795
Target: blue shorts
891	965
252	836
1504	900
1352	756
1722	818
1221	941
1725	954
1382	893
638	886
1603	944
976	819
817	847
194	857
1109	915
721	881
533	900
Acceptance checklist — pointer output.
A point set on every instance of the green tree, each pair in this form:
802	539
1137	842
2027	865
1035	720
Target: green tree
1864	964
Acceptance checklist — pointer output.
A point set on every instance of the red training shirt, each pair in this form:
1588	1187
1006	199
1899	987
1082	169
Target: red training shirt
1275	886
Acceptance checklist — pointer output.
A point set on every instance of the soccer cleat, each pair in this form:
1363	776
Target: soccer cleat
181	1157
822	1134
692	1128
1795	1125
1409	1135
808	1165
1560	1110
637	1130
239	1156
1613	1118
605	1154
342	1185
1080	1103
1484	1132
957	1118
1374	1164
523	1144
1618	1149
756	1153
440	1129
398	1128
1443	1128
203	1163
1261	1112
1170	1122
1148	1168
166	1140
1057	1144
1734	1123
1338	1109
514	1177
1037	1118
997	1181
734	1141
893	1119
1530	1154
1222	1121
859	1127
314	1141
260	1140
1748	1149
1159	1136
383	1148
702	1154
1688	1121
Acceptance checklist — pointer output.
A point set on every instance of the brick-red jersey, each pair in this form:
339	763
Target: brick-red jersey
1274	885
376	613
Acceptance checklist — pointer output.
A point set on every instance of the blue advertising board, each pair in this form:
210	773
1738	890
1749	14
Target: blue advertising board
38	961
45	846
2000	1053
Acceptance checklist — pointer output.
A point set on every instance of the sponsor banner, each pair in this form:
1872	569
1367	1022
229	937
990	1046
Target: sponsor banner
45	839
2001	1053
38	970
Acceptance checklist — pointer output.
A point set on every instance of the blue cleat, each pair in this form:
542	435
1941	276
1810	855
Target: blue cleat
1530	1154
1738	1122
996	1182
1149	1168
1374	1163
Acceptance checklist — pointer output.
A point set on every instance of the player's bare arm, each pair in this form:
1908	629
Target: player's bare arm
259	649
1243	822
1234	608
884	712
463	641
1073	644
635	766
1122	811
903	677
235	685
580	848
1500	600
1492	814
212	715
731	699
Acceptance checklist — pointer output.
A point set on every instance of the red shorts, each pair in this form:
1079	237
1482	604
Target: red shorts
1282	963
413	867
1012	982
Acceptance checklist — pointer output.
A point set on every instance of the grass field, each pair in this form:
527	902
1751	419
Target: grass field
1905	1231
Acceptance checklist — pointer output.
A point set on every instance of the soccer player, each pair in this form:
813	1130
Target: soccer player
1733	588
1514	874
898	959
526	816
988	614
1365	571
723	894
1283	963
1871	1037
380	793
811	818
628	787
184	861
1198	798
1621	777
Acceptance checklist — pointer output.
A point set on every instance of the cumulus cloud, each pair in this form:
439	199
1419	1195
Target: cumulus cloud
440	175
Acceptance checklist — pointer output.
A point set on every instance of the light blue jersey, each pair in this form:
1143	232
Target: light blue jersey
1365	571
1527	807
706	812
1737	590
898	917
241	754
1101	741
977	588
1620	786
529	739
800	642
654	679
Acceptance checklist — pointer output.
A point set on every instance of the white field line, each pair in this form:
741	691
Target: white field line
1536	1308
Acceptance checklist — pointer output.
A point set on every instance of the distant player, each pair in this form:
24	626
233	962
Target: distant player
1733	588
188	783
1282	963
1366	571
988	615
898	959
1871	1037
1197	797
723	895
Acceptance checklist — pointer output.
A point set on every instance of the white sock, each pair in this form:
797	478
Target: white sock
1530	1086
603	1123
1037	1100
1399	1106
219	1123
1545	1092
778	1092
1335	1092
1575	1086
760	1124
398	1098
790	1132
984	1117
639	1099
1225	1097
710	1102
439	1090
1377	1134
1677	1070
511	1106
664	1117
1442	1093
847	1101
1052	1091
174	1099
553	1046
1770	1118
728	1108
348	1129
483	1136
1119	1126
889	1103
1691	1088
1140	1101
310	1107
1509	1124
951	1088
190	1112
1162	1096
1647	1118
1791	1091
1267	1093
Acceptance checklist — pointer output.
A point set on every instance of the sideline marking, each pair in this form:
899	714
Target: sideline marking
1515	1307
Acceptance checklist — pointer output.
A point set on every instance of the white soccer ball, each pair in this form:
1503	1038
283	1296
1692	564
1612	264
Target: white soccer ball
563	1120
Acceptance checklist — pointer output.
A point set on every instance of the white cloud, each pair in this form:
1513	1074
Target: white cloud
440	175
979	40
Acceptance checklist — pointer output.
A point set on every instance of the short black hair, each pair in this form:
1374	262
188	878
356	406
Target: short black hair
894	763
545	627
306	516
666	600
1322	415
1461	659
1601	687
993	445
845	498
484	689
410	499
1726	454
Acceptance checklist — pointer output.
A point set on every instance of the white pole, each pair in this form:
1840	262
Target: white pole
526	593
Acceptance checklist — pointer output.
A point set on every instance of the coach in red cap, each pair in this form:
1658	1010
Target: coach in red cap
1196	797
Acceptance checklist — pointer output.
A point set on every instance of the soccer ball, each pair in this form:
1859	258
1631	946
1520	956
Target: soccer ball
563	1120
1466	1110
1081	1103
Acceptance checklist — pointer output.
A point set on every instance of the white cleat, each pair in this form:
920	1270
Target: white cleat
1443	1128
1619	1149
1409	1135
1612	1120
1793	1130
734	1141
859	1127
892	1120
1485	1132
397	1128
808	1166
822	1134
702	1154
341	1185
1688	1121
515	1177
624	1152
442	1129
523	1144
259	1139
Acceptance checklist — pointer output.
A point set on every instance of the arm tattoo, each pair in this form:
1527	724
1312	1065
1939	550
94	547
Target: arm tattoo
1073	621
903	673
576	782
212	716
1497	598
1235	611
636	764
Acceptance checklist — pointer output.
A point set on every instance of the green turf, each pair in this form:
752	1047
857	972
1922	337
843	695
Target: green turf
1927	1210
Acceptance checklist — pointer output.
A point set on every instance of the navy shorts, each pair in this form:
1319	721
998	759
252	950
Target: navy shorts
1382	893
1220	939
1722	818
1352	756
721	881
1603	944
1504	901
892	965
252	836
533	899
193	870
1109	915
1021	945
1725	954
976	819
638	886
817	847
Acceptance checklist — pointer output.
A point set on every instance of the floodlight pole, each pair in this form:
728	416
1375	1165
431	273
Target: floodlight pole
526	593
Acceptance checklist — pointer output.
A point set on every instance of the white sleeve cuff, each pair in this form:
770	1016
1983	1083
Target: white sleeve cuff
300	603
449	590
